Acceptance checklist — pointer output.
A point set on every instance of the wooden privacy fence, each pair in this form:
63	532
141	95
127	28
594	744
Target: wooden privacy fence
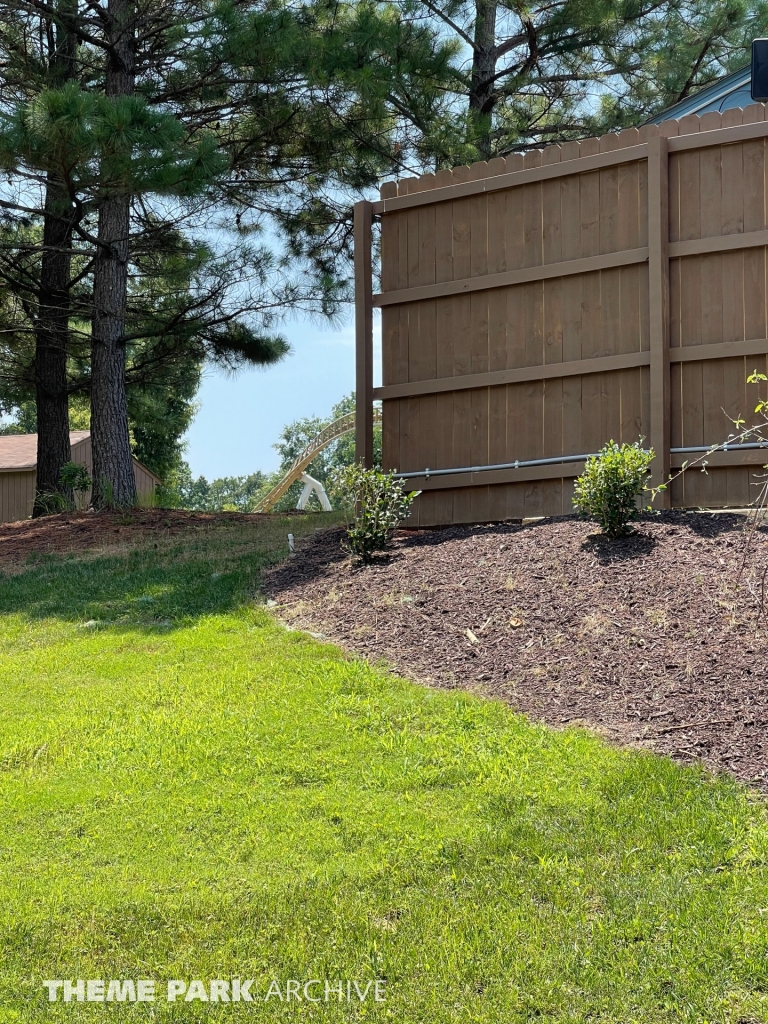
535	307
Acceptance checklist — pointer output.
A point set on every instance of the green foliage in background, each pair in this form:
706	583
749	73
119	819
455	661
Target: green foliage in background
610	485
225	494
19	419
241	493
529	75
233	143
297	435
76	476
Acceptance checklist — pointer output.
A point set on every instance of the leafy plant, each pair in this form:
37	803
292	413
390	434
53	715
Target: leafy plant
48	503
380	504
75	477
108	494
608	488
762	405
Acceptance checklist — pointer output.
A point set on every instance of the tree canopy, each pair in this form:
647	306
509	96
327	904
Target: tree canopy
177	178
525	75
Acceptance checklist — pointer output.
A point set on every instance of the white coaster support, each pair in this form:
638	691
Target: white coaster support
312	486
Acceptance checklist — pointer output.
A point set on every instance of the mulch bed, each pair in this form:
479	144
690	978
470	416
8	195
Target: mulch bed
655	640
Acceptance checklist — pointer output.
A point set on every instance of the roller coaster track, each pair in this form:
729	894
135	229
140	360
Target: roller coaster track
343	425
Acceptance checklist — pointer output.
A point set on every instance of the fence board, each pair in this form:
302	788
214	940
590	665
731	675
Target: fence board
460	335
658	286
497	339
712	484
390	338
610	289
478	342
570	297
552	396
630	339
442	407
591	334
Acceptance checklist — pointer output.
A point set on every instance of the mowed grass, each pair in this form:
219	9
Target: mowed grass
190	791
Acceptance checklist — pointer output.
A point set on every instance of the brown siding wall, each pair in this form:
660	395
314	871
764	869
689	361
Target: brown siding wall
17	489
82	454
145	482
17	495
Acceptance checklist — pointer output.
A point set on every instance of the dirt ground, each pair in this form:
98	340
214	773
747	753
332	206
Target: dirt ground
655	640
77	531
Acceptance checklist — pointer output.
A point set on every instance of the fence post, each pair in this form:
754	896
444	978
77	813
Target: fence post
363	335
658	296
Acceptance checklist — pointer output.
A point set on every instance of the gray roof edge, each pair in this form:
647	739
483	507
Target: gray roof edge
705	97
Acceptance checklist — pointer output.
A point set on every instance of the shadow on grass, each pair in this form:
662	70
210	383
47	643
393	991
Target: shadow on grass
160	583
313	561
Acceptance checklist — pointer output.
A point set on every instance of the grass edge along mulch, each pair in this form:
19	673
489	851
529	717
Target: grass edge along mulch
190	790
653	640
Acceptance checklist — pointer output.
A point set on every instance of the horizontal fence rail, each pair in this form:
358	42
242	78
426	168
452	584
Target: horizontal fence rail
562	459
587	265
524	177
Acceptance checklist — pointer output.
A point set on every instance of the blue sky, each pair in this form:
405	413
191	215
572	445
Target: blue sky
240	417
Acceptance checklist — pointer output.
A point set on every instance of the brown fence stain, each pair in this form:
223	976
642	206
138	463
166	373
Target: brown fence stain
536	307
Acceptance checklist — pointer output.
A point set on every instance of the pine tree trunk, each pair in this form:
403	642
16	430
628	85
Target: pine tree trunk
52	326
51	338
113	477
482	93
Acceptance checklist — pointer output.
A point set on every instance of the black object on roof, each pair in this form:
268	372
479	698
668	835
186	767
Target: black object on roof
760	70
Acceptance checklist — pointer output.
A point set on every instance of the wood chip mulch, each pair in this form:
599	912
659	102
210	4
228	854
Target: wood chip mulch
658	639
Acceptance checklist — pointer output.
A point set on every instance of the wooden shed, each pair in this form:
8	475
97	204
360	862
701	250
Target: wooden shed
18	472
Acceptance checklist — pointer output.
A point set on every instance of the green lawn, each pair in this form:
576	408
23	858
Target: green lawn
190	791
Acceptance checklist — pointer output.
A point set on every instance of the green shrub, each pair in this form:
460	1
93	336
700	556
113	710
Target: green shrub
608	488
379	504
75	477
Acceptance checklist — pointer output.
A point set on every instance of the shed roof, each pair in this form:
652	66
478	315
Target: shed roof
19	451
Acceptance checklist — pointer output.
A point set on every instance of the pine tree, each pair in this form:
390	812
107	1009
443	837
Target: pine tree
113	479
527	75
53	68
177	115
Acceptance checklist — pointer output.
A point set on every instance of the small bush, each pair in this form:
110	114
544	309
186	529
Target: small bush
380	504
75	477
608	488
